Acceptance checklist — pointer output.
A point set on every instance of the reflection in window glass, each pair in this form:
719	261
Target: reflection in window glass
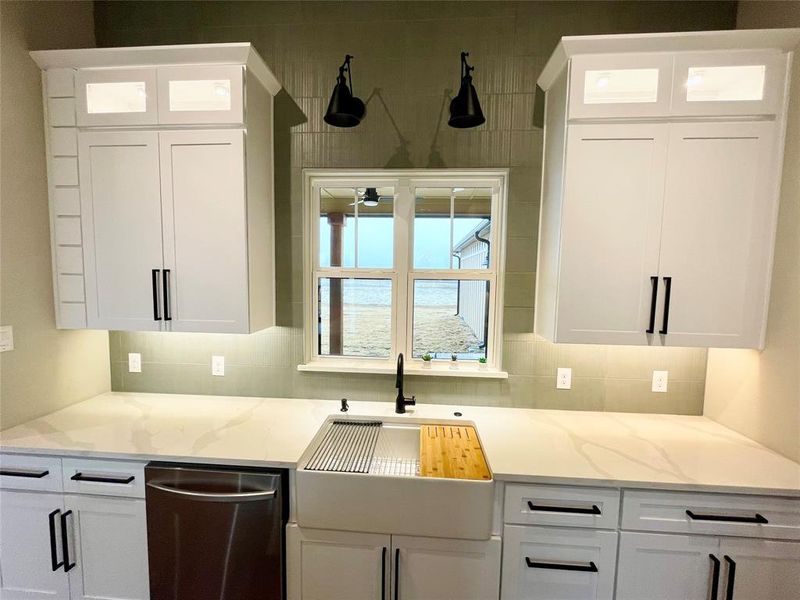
446	221
451	317
200	94
355	317
375	228
620	86
725	84
116	97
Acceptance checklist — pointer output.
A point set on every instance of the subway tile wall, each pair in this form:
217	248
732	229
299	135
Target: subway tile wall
409	53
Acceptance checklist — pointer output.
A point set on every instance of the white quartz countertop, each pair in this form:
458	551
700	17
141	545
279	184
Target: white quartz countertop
545	446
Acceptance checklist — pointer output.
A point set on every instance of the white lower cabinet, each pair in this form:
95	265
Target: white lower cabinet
30	546
109	544
544	563
665	567
341	565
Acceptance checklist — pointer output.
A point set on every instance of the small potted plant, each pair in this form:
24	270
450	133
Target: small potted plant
482	363
453	361
426	360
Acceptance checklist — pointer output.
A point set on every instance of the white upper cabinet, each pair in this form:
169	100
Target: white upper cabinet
206	94
160	172
662	169
108	97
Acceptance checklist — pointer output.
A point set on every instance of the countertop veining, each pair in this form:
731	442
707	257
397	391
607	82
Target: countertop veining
526	445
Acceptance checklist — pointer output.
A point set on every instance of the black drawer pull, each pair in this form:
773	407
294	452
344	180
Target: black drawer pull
714	576
731	576
757	518
156	312
167	313
651	324
594	510
97	479
53	548
557	566
667	293
68	566
29	474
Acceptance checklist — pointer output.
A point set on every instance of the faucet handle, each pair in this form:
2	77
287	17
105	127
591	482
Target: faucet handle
411	401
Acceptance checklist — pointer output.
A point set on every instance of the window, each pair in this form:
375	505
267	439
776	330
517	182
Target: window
407	262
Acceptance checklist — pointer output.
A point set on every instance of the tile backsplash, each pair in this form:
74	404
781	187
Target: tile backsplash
410	52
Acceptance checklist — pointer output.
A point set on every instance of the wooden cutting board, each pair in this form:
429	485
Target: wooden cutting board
451	451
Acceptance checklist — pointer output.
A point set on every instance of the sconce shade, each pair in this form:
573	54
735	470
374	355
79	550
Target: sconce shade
344	109
465	108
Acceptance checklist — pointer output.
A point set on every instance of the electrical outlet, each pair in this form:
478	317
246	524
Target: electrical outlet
134	362
660	381
6	338
564	378
218	366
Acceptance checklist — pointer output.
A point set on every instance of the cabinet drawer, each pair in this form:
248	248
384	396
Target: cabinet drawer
562	505
541	563
715	514
104	477
22	472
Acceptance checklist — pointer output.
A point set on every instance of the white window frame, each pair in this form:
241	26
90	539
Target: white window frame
402	273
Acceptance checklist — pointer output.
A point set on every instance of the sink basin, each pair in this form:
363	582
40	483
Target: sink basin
364	475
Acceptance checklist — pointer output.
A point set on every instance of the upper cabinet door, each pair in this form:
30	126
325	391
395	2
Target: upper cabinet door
116	96
729	83
720	210
620	85
203	95
121	226
613	194
205	230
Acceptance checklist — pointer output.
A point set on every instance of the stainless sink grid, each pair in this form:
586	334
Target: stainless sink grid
347	447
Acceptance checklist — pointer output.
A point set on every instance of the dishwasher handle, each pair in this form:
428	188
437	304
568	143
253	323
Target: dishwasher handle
215	496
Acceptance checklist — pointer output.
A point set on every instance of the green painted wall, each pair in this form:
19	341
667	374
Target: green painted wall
409	50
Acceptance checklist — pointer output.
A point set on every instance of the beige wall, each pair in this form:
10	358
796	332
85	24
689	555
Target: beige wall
758	393
48	369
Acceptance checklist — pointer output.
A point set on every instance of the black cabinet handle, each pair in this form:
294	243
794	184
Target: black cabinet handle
714	576
100	479
651	327
535	564
397	574
667	290
594	510
757	518
731	577
53	548
65	542
383	574
167	313
156	312
28	474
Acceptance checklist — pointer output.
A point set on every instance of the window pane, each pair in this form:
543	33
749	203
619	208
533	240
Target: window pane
337	227
375	228
450	316
432	228
201	94
472	228
620	86
355	317
725	84
116	97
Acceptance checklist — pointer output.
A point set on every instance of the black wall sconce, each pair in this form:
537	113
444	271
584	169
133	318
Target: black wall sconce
465	109
344	109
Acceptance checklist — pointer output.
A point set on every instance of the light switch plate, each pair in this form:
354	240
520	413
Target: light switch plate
564	378
134	362
6	338
660	381
218	366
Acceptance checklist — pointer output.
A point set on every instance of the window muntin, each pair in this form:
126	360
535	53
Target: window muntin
116	97
736	83
451	210
620	86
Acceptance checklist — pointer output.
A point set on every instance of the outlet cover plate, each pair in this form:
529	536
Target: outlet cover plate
564	378
134	362
660	381
218	366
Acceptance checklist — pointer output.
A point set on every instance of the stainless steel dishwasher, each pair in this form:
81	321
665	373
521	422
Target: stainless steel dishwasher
215	533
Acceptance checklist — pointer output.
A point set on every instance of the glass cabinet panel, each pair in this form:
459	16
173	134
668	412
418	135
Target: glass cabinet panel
725	84
614	86
116	97
200	94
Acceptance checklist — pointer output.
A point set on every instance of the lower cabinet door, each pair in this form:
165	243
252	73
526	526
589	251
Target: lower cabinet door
30	547
107	544
336	565
759	569
545	563
668	567
445	569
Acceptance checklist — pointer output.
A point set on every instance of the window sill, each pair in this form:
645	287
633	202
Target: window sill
437	369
